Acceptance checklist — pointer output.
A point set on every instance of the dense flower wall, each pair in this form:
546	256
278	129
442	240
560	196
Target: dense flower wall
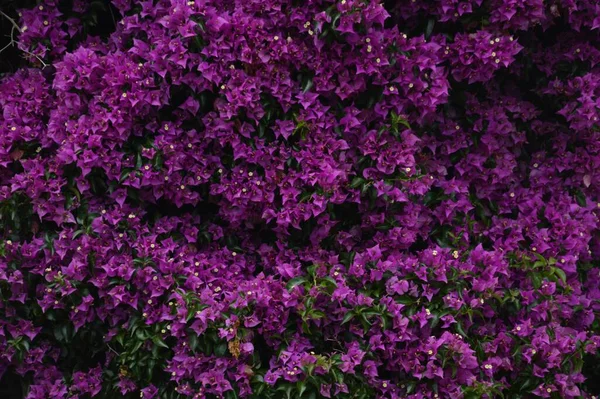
302	199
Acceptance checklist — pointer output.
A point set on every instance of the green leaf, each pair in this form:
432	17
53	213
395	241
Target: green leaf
159	342
124	175
349	316
137	346
305	327
329	281
295	282
580	198
150	369
536	280
472	395
365	322
459	329
65	332
429	29
435	320
317	314
528	383
193	342
560	273
404	300
307	85
301	387
141	335
190	315
371	313
221	349
58	333
357	182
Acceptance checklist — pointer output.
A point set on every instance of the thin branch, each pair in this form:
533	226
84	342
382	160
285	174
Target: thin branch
109	347
11	20
33	55
13	41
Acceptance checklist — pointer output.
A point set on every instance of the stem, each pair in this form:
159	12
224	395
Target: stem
13	41
117	353
12	21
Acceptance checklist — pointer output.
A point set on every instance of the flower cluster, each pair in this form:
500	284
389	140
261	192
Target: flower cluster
476	56
302	199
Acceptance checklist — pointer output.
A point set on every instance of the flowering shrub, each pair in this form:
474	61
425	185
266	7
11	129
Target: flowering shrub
302	199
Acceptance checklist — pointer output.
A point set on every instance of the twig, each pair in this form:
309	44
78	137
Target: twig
13	41
11	20
44	65
109	347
